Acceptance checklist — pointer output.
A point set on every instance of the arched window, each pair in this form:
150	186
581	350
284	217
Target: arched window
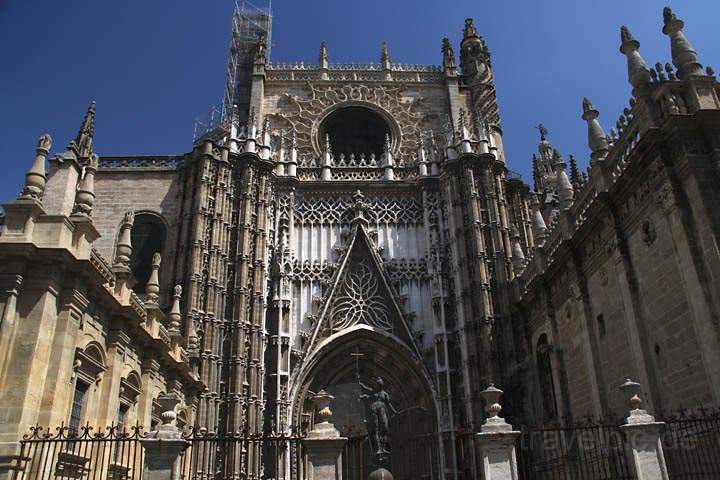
147	237
87	369
545	376
354	130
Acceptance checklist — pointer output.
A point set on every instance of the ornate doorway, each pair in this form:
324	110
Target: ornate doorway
365	352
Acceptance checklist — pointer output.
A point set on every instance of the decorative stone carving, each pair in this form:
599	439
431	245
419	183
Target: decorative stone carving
399	111
359	300
336	210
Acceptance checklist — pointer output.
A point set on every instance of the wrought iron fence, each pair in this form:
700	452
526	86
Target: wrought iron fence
691	444
112	454
591	450
243	455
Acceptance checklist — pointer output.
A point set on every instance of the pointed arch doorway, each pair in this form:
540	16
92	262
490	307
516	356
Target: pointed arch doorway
415	452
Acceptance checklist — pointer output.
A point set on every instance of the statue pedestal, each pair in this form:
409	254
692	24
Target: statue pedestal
323	454
324	445
497	454
496	440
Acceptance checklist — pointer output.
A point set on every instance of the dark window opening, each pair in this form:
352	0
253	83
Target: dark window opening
602	329
78	404
148	237
545	376
354	130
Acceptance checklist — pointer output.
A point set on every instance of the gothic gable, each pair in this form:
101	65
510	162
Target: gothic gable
361	294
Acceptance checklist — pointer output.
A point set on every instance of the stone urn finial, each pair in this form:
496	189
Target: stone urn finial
494	423
631	390
167	430
492	395
322	401
323	426
168	402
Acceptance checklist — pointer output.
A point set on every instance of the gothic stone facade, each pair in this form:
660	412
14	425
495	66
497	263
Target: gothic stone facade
361	221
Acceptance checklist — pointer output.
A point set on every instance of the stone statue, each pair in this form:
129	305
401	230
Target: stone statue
379	415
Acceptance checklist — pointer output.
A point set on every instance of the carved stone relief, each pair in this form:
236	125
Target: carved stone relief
400	112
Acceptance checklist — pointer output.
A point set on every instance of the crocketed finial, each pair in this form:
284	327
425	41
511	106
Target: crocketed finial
448	54
563	186
638	71
85	196
684	56
174	317
123	247
469	30
518	256
385	56
152	289
35	178
323	58
597	139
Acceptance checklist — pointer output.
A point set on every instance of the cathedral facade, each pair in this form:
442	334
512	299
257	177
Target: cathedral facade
358	224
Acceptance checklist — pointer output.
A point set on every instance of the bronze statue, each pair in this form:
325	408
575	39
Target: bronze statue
379	416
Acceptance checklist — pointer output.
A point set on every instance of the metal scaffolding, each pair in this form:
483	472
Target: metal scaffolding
249	23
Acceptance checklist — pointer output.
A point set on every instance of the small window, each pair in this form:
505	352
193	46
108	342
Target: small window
602	330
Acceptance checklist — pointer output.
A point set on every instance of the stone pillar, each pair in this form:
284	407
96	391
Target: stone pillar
324	444
164	445
642	437
496	440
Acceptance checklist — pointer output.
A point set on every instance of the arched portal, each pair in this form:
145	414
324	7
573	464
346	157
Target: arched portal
334	366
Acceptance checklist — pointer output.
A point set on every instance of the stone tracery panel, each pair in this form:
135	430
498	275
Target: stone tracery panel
336	210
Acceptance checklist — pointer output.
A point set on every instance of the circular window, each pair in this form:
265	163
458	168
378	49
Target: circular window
354	130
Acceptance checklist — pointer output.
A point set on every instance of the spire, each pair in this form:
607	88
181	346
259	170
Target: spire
35	178
174	318
684	56
563	186
85	196
575	178
385	56
597	139
638	71
474	55
83	143
448	55
323	59
152	289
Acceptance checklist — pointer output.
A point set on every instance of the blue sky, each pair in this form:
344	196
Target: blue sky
153	65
